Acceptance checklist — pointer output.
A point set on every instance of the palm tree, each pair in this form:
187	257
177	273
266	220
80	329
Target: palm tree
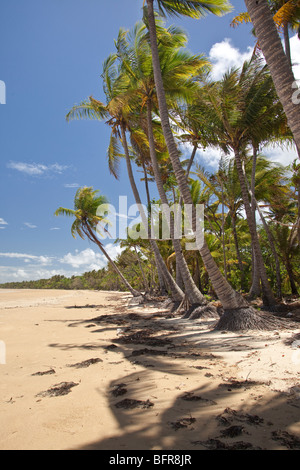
178	67
277	61
243	110
237	312
227	182
286	15
116	113
88	223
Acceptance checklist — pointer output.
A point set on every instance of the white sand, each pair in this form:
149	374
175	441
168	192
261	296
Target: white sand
42	331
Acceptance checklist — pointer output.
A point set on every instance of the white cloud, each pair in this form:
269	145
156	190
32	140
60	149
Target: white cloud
3	222
36	169
89	259
29	225
295	53
16	274
24	266
43	260
71	185
224	56
54	228
279	155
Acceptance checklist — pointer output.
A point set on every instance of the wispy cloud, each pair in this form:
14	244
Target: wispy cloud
71	185
54	228
29	225
24	266
44	260
36	169
3	223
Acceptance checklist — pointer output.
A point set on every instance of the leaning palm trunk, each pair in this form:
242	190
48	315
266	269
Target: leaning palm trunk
278	62
194	296
176	293
238	314
90	234
254	206
269	298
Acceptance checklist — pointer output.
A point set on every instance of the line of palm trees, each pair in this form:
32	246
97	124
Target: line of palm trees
157	95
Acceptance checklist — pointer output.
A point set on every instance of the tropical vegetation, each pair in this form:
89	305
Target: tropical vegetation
162	107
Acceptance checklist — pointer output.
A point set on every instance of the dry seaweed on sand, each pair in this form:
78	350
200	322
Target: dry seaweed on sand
84	364
189	396
119	389
129	403
46	372
58	390
216	444
285	438
182	423
229	416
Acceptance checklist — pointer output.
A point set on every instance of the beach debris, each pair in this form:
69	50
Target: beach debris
84	364
57	390
110	347
189	396
152	352
46	372
144	337
182	423
285	438
216	444
229	415
129	403
119	389
233	431
237	384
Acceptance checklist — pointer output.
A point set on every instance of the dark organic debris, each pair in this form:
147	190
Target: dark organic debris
288	440
233	431
84	364
119	389
199	367
110	347
189	396
151	352
144	337
216	444
182	423
236	384
114	319
57	390
229	415
248	318
86	306
46	372
129	403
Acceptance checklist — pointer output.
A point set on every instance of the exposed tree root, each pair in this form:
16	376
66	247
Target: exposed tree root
250	319
201	311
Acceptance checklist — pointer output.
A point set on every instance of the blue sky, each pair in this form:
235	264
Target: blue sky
51	56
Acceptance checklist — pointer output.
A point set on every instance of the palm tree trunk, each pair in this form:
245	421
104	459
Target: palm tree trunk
90	234
229	298
192	292
267	292
238	253
291	276
146	287
280	69
176	292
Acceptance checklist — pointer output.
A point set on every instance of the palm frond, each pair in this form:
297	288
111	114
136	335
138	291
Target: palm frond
193	8
239	19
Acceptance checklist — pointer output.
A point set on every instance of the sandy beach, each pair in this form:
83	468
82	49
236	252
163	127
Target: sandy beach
87	370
